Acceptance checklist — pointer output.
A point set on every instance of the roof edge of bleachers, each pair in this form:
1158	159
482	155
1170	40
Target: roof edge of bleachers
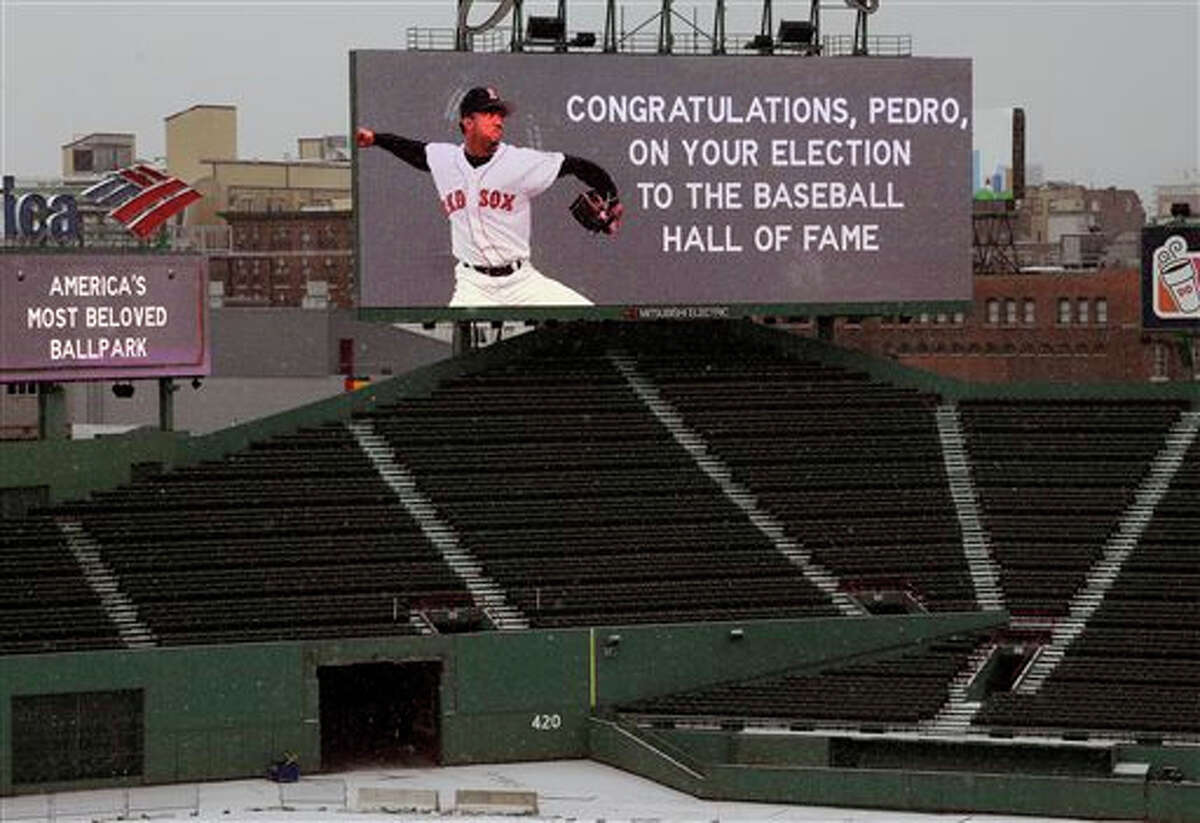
888	370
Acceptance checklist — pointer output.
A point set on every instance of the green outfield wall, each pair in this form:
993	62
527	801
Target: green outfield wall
227	711
997	777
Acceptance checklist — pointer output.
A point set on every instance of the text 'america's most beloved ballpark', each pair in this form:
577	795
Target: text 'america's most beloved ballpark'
83	316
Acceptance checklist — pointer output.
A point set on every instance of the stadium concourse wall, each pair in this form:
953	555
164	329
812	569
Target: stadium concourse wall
228	711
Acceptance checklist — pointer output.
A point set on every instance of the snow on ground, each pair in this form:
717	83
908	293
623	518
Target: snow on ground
572	790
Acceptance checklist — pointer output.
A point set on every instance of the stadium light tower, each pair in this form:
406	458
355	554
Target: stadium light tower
517	39
718	44
610	27
863	9
768	26
665	39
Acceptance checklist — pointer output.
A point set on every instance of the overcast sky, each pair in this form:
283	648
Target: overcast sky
1110	88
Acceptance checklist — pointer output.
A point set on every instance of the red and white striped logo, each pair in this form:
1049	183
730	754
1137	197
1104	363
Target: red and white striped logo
142	197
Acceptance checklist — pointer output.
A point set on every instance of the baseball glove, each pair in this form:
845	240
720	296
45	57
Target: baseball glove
597	212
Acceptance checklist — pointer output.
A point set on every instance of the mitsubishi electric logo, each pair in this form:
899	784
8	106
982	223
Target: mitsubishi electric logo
142	197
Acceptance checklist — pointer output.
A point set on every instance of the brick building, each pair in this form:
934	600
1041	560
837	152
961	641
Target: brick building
1051	216
1061	326
1167	196
285	258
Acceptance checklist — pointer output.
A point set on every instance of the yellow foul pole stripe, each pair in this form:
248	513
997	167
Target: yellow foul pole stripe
592	667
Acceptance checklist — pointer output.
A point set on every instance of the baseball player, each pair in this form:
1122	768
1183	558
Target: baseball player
485	187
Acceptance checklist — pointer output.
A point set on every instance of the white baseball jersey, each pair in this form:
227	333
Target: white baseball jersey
489	205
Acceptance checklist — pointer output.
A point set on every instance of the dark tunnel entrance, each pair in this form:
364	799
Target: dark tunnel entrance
376	714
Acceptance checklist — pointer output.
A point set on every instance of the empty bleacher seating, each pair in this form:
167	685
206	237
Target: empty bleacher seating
577	501
851	466
1135	666
297	537
898	690
1054	478
48	605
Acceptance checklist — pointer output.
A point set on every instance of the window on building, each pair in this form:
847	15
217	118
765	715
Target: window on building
1102	311
1064	311
993	311
82	159
105	158
940	319
1010	311
959	318
1029	311
1161	361
924	318
1082	307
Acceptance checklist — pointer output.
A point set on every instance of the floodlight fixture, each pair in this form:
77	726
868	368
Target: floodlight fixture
795	33
583	40
761	42
552	29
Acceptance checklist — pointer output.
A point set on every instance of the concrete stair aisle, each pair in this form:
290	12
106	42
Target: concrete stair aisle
984	571
712	465
116	604
956	715
1117	549
485	592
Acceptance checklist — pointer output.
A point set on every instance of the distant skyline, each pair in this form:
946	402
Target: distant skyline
1111	90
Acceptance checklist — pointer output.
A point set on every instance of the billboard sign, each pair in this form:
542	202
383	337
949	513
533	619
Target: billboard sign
102	316
747	182
1171	277
35	217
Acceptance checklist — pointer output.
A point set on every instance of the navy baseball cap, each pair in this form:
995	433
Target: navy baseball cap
483	98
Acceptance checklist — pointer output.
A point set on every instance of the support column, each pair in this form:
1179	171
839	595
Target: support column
463	341
52	412
166	403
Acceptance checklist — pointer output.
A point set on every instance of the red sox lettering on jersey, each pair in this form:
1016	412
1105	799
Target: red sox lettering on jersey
489	205
493	199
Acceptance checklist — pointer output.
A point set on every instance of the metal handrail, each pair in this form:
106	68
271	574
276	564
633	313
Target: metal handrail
646	42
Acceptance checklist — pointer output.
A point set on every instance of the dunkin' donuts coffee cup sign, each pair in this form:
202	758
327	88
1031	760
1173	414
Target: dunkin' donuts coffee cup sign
1176	279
